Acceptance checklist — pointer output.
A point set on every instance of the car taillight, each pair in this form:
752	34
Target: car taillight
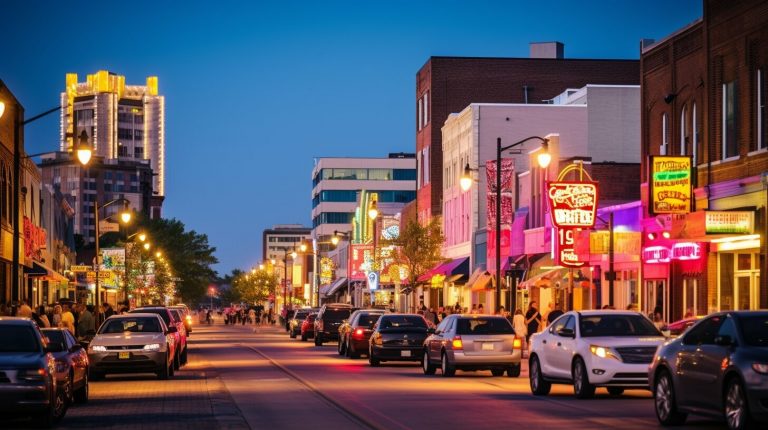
358	333
517	343
456	343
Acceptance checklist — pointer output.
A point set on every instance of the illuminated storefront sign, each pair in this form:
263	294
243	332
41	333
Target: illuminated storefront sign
565	251
573	204
656	254
729	222
327	268
686	251
683	251
670	185
360	260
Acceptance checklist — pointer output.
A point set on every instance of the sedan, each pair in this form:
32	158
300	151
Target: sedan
397	337
590	349
187	316
179	335
308	327
294	323
719	367
133	343
355	333
71	363
473	342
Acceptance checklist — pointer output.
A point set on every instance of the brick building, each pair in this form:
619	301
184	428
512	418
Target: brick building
704	97
446	85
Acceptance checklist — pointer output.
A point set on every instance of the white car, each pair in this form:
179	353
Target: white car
592	349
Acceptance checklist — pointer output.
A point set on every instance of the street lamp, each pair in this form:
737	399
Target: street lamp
543	160
146	246
373	211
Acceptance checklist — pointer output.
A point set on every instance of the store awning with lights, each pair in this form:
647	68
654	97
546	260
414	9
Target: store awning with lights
334	287
483	282
43	273
451	271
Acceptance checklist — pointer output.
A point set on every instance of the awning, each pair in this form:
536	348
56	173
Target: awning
335	286
36	270
473	277
483	282
543	280
459	266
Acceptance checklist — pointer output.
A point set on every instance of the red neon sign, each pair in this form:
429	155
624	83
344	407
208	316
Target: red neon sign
572	204
565	251
686	251
656	254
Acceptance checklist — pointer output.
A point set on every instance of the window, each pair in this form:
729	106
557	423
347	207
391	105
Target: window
489	325
404	174
728	329
704	332
426	109
122	151
380	174
124	133
762	100
138	152
425	169
419	169
616	325
695	126
664	131
420	116
730	146
683	131
560	323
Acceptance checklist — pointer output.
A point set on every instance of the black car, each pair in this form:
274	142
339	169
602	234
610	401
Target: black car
328	321
719	367
294	323
355	332
71	363
398	337
28	385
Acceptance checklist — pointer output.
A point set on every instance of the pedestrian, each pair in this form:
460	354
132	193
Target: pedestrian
251	316
429	316
457	308
24	310
688	313
480	309
532	319
56	317
554	314
68	319
658	321
108	311
632	307
474	309
43	322
501	311
86	325
520	328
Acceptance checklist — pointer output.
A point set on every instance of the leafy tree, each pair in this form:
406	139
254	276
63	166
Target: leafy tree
255	287
418	247
162	286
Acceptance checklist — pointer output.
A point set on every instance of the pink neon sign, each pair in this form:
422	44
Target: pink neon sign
683	251
686	251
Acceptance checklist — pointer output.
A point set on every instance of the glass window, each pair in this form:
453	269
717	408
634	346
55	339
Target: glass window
664	134
367	320
683	130
560	323
695	126
754	330
617	325
380	174
728	328
730	120
18	338
404	174
726	282
133	325
470	326
704	332
402	322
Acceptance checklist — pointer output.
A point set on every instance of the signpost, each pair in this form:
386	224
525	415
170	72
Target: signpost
573	207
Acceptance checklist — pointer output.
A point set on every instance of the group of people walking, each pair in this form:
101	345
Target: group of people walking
78	318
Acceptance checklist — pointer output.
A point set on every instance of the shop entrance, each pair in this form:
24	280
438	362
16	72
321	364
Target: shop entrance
739	285
691	301
656	298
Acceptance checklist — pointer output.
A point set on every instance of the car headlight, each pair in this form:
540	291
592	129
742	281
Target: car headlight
32	374
761	368
603	352
98	348
152	347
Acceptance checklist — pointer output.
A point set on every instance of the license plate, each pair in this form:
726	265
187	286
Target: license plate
488	346
123	355
405	353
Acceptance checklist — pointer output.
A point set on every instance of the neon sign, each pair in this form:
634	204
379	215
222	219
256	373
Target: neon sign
683	251
565	251
670	187
573	204
656	254
686	251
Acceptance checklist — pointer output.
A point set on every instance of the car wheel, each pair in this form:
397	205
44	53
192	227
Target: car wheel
665	403
184	357
318	340
81	395
342	348
513	371
581	386
61	402
539	387
176	362
165	370
50	417
497	372
426	366
736	410
615	391
445	367
373	360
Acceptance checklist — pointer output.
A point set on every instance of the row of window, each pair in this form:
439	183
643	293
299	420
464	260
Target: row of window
351	196
284	239
332	218
130	133
130	117
364	174
125	151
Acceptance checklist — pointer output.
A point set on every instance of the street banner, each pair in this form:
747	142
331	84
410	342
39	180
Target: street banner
507	209
671	186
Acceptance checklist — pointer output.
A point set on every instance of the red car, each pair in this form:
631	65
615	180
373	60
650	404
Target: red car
308	327
678	327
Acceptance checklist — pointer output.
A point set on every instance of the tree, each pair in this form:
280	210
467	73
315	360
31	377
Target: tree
419	247
255	287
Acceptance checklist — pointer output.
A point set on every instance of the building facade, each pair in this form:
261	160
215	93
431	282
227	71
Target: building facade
123	123
446	85
337	182
704	100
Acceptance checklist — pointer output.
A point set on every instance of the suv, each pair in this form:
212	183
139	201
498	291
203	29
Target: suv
179	336
328	321
28	374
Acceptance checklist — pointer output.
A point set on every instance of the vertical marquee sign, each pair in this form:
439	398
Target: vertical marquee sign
573	206
670	185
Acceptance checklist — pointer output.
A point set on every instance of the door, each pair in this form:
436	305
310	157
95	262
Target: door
710	359
442	334
690	296
565	348
656	298
553	350
692	373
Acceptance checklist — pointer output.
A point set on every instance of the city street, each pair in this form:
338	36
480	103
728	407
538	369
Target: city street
241	377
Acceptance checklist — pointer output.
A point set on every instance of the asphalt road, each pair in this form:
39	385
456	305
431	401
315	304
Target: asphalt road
278	382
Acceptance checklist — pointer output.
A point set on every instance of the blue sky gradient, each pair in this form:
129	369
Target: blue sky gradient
254	90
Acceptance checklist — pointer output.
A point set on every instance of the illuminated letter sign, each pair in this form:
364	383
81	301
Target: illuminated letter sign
686	251
729	222
573	204
670	185
656	254
565	252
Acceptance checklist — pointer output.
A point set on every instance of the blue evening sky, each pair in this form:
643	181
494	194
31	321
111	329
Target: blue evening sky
254	90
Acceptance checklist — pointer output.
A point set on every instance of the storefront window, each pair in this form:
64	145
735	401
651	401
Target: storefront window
726	282
744	261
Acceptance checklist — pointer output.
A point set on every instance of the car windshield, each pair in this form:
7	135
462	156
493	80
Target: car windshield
368	320
755	330
403	322
336	314
469	326
133	325
55	336
176	315
616	325
162	312
301	315
18	338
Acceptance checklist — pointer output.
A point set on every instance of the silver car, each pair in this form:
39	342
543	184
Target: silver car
473	342
133	343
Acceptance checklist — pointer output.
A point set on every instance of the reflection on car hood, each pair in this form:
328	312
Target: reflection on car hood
619	341
118	339
19	360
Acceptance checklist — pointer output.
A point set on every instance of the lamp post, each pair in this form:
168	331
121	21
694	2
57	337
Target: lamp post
466	182
125	217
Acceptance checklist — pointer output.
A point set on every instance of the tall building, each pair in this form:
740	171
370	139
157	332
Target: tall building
337	182
123	123
277	244
704	98
283	237
459	81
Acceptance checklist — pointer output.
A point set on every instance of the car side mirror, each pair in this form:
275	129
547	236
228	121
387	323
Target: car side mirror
431	330
723	340
566	332
172	329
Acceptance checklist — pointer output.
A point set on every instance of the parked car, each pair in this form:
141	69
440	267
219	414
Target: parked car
591	349
186	316
28	385
677	328
473	342
355	332
133	343
179	335
308	327
398	337
328	320
71	363
719	367
297	317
